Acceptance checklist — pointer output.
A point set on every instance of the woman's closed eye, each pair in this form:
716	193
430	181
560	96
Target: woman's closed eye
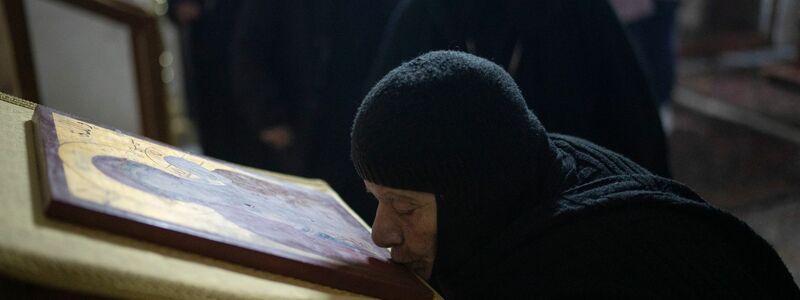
406	212
403	208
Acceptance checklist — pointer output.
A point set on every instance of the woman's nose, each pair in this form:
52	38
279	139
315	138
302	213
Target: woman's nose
386	231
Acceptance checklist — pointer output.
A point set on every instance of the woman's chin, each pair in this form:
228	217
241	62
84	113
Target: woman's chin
423	271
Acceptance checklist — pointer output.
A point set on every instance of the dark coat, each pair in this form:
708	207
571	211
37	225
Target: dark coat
576	67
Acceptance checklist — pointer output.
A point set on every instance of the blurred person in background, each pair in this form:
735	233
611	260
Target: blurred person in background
651	27
275	65
351	31
571	59
206	28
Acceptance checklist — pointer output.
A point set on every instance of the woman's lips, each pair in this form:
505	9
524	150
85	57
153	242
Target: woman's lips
402	261
414	265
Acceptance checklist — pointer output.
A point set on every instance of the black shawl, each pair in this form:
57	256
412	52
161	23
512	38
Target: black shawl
617	231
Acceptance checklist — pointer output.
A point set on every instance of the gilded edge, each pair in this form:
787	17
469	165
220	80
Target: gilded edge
17	101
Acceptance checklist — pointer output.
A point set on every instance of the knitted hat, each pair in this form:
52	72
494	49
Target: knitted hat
455	125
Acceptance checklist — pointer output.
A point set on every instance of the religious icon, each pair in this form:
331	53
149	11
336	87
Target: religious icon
120	183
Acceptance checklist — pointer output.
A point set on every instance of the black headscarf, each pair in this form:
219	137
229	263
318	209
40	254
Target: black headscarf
440	124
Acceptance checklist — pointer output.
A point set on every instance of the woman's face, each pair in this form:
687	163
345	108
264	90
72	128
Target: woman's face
406	223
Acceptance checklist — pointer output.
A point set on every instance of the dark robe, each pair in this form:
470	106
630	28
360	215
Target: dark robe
576	67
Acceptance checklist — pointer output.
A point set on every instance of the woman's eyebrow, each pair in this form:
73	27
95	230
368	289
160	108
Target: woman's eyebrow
400	196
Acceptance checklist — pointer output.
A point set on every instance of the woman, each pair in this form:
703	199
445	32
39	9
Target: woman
475	196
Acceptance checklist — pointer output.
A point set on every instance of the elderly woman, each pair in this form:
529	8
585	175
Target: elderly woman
475	196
